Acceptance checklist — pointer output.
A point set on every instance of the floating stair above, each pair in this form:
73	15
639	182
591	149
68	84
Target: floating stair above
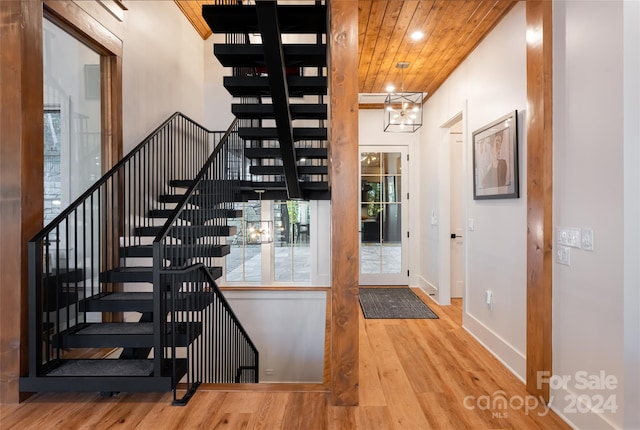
283	88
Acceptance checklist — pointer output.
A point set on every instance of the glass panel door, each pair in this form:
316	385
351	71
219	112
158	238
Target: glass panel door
382	238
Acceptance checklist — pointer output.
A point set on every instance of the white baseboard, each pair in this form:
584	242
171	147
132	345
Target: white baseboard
428	288
512	359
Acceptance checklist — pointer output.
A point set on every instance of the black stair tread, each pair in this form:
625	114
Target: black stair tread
126	335
282	194
300	19
119	302
206	183
188	230
239	86
143	301
104	367
141	274
127	274
279	170
299	133
251	55
210	199
316	153
265	111
127	376
280	185
195	199
122	329
176	251
197	215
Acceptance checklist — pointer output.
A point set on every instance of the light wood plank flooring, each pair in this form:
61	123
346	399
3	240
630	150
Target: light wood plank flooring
414	374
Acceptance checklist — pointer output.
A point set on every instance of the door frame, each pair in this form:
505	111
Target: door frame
21	92
443	293
381	278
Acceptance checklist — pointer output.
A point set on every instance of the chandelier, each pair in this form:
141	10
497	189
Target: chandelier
403	110
259	232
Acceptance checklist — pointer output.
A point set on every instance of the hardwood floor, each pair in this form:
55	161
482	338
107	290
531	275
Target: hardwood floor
414	374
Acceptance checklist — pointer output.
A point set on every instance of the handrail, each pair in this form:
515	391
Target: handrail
180	206
77	202
221	350
84	252
216	289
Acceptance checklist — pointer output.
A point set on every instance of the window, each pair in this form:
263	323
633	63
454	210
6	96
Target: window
287	259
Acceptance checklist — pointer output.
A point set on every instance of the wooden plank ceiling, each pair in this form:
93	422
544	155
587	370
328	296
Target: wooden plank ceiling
451	28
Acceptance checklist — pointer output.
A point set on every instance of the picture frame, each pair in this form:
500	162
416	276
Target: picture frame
495	159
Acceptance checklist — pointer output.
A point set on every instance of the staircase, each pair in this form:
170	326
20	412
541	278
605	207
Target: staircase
281	89
144	242
122	284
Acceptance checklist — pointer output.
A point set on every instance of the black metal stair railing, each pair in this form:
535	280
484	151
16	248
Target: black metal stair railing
187	293
82	252
83	255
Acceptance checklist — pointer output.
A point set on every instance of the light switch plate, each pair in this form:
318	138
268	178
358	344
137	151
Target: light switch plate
587	239
471	224
568	237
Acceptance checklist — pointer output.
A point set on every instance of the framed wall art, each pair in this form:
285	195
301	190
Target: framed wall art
495	159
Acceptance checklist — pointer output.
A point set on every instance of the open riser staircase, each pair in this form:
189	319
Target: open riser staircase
122	284
278	57
143	241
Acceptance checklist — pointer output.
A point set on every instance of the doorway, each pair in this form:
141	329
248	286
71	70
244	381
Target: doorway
456	212
382	203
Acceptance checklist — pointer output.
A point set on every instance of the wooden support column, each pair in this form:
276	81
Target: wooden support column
539	195
343	129
21	177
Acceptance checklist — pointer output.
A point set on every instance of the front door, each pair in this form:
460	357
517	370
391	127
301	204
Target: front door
383	197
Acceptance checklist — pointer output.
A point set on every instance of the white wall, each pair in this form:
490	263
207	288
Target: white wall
162	65
217	100
288	328
595	128
490	83
631	155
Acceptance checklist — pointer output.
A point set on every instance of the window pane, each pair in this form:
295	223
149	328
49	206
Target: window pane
244	262
292	261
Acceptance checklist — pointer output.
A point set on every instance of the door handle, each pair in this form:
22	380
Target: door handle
453	235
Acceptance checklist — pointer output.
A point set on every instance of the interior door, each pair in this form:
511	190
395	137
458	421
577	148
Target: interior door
457	221
383	200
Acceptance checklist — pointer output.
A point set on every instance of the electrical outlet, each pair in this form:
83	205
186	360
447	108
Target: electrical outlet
489	299
489	296
563	255
587	239
268	372
568	237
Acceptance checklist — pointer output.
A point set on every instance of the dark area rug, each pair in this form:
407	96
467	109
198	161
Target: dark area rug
393	303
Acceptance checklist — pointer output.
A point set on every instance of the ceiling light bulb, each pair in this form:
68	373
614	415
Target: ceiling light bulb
390	88
417	35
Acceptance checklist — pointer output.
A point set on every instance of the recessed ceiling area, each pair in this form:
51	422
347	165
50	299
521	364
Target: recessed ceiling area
450	29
